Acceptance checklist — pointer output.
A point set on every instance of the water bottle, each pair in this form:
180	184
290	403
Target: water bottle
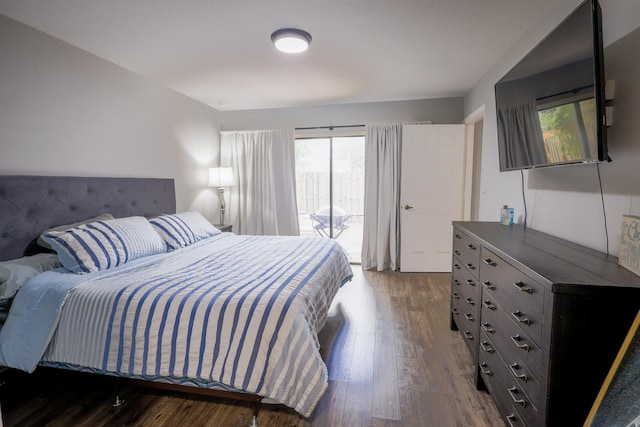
510	216
504	215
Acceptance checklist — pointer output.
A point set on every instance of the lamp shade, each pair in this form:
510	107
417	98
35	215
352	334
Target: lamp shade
221	177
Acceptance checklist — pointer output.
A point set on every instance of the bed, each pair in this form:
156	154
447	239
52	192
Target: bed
207	312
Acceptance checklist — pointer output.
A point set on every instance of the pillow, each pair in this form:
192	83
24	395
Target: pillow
104	244
183	229
15	273
100	217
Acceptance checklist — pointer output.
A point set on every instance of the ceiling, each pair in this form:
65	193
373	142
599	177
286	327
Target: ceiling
220	53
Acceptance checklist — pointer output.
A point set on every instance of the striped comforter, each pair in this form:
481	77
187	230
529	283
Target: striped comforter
240	310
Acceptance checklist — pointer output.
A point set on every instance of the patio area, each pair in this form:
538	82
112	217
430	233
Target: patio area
330	181
350	238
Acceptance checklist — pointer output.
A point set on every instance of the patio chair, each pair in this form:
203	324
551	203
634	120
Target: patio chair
321	221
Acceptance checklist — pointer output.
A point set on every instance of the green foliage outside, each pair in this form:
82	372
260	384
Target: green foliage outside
561	132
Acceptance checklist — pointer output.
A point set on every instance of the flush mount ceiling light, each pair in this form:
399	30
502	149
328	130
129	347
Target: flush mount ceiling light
291	40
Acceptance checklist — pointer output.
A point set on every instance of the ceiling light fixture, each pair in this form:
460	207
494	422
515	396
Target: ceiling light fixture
291	40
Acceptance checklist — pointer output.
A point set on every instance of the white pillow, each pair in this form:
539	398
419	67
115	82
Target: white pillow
183	229
104	244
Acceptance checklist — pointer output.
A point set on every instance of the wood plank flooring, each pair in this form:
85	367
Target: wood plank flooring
392	361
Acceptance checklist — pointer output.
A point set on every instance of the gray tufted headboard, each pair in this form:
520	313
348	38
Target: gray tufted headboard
31	204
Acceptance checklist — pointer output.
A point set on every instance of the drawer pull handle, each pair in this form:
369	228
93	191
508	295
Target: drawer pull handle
488	261
469	317
488	304
489	285
470	266
512	392
456	266
510	418
457	252
470	246
470	282
516	340
468	335
454	311
487	328
486	372
458	236
521	287
518	316
469	301
486	347
456	282
455	295
514	367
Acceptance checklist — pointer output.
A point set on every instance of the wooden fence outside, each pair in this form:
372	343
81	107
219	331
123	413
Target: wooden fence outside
348	192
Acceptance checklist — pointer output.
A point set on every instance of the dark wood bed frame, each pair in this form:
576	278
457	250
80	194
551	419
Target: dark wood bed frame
31	204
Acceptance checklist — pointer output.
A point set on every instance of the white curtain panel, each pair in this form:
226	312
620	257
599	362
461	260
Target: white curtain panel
519	126
381	240
263	201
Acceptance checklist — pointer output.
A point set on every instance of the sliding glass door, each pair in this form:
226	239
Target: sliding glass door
330	189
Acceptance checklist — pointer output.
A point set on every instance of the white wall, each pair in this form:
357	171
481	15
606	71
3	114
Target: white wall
64	111
440	110
566	201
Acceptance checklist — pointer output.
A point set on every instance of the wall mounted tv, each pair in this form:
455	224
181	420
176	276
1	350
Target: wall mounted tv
550	106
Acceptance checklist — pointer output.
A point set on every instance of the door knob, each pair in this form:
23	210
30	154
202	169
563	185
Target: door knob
407	207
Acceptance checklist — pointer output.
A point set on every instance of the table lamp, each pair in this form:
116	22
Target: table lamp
221	177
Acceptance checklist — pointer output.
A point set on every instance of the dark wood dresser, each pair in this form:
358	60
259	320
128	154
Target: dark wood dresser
543	318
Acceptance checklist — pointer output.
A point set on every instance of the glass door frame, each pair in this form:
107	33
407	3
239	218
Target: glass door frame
341	198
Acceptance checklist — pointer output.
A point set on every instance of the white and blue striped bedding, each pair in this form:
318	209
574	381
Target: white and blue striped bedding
240	310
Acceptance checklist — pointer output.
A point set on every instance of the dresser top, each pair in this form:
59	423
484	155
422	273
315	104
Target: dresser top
559	264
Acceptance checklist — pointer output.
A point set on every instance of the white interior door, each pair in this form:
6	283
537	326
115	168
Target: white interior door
432	195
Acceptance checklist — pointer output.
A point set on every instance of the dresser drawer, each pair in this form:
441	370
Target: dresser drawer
466	282
519	375
467	251
466	318
468	306
508	393
519	295
514	345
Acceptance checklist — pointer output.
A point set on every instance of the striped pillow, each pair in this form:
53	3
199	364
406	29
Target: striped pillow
104	244
183	229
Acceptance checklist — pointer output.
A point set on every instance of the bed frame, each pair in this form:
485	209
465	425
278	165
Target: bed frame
31	204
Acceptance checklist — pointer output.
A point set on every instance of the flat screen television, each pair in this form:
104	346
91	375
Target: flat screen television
550	106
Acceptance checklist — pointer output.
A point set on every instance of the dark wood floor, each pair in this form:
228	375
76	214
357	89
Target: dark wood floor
392	362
